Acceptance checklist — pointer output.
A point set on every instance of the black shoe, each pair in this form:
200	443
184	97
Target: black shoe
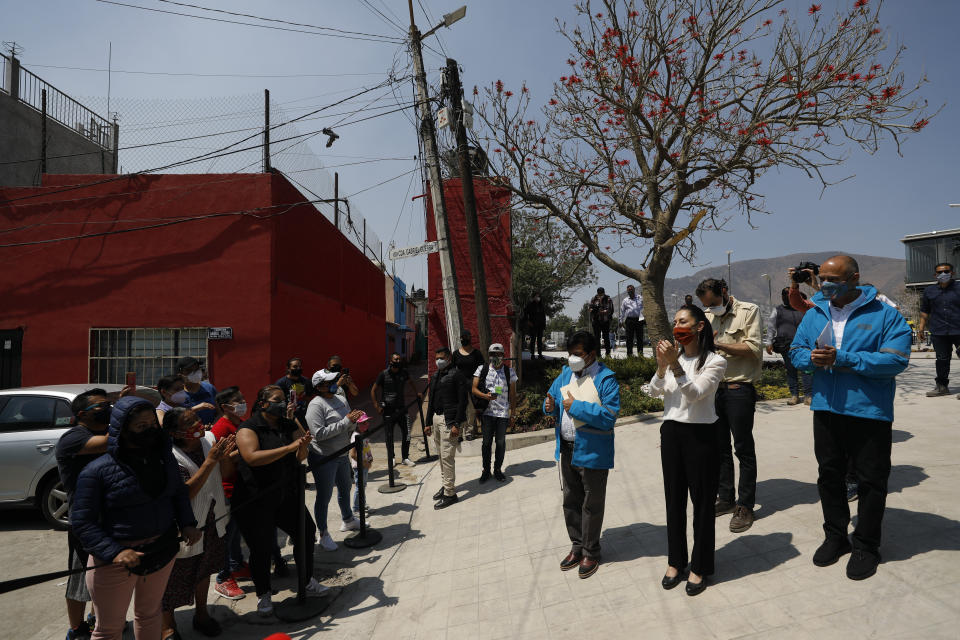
939	390
446	501
499	476
670	583
830	551
469	437
484	476
588	567
853	491
209	627
438	494
862	564
722	507
572	561
696	588
280	569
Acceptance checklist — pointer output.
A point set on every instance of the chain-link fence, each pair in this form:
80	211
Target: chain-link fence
225	135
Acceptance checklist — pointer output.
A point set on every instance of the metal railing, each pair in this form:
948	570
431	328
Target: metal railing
29	89
4	70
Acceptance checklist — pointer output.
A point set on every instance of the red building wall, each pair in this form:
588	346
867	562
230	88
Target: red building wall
258	275
493	213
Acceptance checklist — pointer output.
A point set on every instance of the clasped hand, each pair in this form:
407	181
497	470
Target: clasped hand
823	356
667	354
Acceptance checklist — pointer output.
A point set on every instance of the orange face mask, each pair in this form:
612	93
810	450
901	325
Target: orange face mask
683	335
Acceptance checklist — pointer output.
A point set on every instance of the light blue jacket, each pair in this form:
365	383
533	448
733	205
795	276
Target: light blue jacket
875	348
593	445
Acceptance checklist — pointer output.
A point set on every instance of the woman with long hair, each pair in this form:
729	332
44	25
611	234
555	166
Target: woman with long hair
688	373
199	459
265	495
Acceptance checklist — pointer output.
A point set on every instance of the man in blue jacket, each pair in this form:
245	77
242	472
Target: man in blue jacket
584	401
855	345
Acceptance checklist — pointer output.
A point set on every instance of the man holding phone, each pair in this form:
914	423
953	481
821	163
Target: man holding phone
495	383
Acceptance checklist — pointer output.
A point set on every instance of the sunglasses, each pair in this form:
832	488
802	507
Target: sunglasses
99	405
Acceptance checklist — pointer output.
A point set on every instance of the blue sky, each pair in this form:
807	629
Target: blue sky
888	197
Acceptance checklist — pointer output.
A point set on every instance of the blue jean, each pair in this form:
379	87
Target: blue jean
806	379
356	490
326	475
233	554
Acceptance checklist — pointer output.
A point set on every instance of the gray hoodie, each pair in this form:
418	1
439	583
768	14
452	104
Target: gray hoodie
328	423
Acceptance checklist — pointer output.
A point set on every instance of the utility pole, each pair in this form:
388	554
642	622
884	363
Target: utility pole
428	137
266	131
455	95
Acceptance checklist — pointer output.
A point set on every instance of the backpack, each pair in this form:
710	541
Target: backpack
481	404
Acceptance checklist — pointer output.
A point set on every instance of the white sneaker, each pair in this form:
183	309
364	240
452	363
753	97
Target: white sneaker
327	543
409	463
265	606
316	589
350	525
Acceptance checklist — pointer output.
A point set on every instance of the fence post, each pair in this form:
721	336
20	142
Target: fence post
426	444
43	133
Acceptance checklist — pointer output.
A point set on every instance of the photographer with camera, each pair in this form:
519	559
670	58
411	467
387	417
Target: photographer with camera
335	364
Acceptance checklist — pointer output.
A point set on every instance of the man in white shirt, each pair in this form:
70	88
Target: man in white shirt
495	383
631	315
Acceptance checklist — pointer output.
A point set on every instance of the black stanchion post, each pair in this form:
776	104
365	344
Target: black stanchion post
299	607
392	486
365	537
426	444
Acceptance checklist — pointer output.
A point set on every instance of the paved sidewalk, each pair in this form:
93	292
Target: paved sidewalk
488	566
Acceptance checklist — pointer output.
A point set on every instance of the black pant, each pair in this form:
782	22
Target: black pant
601	331
396	417
584	499
868	443
634	327
736	404
258	524
494	427
536	336
944	347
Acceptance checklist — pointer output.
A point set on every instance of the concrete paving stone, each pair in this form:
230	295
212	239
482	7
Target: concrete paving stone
555	594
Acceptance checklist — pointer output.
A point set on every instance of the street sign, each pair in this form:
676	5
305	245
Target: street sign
443	118
412	252
220	333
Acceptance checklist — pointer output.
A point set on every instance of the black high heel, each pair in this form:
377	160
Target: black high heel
669	583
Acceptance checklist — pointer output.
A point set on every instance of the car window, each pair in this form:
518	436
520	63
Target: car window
23	413
63	417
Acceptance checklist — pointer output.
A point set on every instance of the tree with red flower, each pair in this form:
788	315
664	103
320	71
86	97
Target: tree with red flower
700	124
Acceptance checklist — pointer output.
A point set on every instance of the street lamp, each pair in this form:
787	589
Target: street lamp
769	289
674	296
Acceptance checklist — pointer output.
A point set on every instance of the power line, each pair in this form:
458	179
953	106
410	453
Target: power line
374	186
209	75
295	24
383	16
382	39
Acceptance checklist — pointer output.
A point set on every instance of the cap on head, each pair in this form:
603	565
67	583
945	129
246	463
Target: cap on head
187	362
322	376
496	347
600	291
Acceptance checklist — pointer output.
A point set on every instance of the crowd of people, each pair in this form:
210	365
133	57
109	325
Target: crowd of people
160	497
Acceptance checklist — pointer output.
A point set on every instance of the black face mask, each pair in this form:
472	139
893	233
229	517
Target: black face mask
101	416
335	368
275	409
396	365
146	439
296	372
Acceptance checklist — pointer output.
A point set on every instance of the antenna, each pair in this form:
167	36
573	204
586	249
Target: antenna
13	48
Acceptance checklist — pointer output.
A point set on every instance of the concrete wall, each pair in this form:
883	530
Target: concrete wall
20	127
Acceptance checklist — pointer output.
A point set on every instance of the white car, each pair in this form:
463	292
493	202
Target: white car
32	419
550	345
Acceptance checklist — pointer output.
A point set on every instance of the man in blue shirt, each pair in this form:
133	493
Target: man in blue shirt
584	401
940	309
199	391
855	345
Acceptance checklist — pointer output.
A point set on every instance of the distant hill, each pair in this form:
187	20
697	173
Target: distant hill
887	274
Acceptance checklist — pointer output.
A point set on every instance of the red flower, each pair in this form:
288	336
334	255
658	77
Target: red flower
633	14
497	150
540	254
553	102
767	23
675	154
530	123
764	142
786	78
860	3
719	56
508	93
814	8
920	124
571	62
654	73
499	86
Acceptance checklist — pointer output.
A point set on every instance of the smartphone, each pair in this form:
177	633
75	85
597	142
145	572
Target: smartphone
131	379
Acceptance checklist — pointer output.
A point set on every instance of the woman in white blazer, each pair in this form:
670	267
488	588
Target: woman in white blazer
688	373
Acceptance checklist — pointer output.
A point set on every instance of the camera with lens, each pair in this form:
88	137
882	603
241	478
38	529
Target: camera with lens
799	272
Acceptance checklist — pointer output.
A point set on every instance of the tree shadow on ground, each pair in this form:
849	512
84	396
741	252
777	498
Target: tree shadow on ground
899	435
742	556
470	488
905	476
392	508
910	533
633	541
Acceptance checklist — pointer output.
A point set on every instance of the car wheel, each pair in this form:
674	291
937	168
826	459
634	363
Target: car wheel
53	503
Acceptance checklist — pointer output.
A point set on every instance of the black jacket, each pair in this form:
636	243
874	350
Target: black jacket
448	396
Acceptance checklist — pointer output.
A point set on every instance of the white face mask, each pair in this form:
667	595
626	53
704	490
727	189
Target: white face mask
195	377
442	364
576	363
240	408
179	397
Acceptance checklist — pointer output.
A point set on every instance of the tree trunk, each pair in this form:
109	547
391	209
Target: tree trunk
659	324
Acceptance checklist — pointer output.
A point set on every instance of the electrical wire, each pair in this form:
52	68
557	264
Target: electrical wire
295	24
208	75
382	16
374	186
381	39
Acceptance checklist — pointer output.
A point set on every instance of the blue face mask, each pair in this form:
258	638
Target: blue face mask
333	388
831	290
